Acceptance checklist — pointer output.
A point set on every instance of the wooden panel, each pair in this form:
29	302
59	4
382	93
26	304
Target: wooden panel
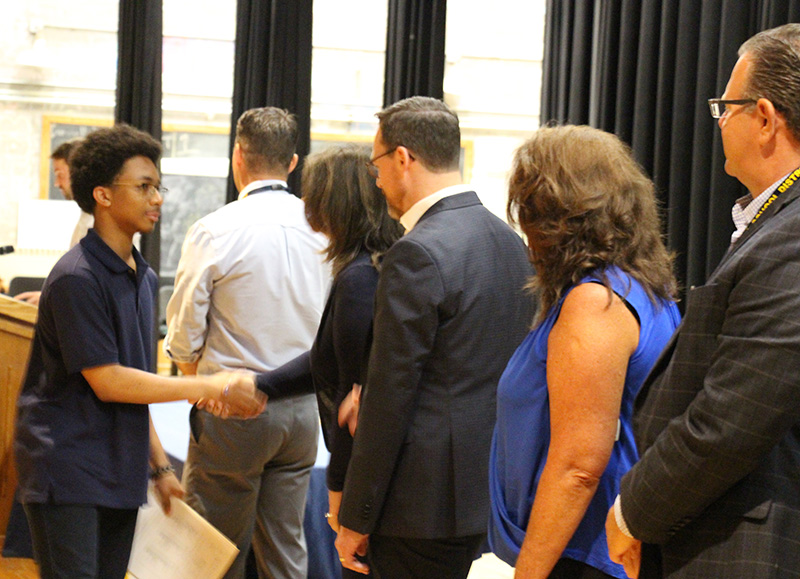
16	334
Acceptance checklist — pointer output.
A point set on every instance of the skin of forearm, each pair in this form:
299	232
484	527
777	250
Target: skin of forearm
589	349
562	497
116	383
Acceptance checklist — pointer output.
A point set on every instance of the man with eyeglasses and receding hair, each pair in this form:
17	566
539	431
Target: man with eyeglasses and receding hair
716	492
84	438
450	309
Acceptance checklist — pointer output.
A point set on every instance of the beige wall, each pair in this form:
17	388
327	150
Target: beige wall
59	58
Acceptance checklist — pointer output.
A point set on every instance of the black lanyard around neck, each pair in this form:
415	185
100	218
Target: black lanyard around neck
782	188
270	187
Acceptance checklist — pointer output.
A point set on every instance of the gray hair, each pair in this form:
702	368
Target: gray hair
775	71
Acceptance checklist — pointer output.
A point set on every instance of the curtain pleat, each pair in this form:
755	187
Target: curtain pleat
646	81
272	67
605	61
138	96
665	93
676	183
415	40
138	92
651	66
139	67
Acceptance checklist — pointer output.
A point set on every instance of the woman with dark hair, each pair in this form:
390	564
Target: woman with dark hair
563	437
343	202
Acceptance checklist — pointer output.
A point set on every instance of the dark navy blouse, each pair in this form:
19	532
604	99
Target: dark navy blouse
336	361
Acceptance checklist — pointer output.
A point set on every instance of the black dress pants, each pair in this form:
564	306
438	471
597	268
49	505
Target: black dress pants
81	541
571	569
402	558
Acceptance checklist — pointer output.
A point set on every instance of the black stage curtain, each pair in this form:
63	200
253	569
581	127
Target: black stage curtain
644	69
414	49
139	93
139	84
273	67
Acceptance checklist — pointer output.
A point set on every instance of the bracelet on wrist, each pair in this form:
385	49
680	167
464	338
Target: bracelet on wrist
157	473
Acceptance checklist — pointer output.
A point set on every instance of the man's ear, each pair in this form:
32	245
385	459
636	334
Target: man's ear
293	163
769	117
236	155
102	196
404	155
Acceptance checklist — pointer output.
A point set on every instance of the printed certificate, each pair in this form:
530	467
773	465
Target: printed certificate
182	545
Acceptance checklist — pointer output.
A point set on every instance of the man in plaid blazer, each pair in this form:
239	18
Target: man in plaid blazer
717	490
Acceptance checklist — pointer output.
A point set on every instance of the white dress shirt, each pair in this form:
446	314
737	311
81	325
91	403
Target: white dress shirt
410	217
250	286
85	223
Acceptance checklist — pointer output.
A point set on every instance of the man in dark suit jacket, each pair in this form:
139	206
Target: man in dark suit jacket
450	309
718	420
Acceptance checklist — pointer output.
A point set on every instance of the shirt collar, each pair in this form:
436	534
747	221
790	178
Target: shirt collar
415	212
95	245
747	206
258	185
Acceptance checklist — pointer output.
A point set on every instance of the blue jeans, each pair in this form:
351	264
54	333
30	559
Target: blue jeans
81	541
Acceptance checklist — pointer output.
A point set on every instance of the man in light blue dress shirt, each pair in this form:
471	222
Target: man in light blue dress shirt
249	293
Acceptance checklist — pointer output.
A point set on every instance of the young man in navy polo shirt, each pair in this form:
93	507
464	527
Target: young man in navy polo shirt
84	439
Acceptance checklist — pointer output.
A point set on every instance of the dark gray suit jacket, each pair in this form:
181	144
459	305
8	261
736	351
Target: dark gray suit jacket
718	420
450	310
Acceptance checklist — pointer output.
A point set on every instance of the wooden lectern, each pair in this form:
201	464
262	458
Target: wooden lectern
16	336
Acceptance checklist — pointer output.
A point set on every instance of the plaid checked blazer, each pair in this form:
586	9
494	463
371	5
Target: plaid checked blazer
717	421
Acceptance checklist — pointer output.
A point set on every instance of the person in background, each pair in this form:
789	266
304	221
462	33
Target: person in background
84	438
249	292
342	202
60	160
717	490
449	310
563	436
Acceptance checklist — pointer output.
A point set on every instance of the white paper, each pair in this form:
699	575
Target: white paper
182	545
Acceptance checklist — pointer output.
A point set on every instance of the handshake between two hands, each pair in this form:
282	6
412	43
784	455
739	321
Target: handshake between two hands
238	396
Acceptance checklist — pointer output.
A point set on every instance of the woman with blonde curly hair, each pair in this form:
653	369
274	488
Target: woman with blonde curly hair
604	279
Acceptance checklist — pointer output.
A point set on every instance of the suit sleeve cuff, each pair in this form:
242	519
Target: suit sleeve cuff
623	526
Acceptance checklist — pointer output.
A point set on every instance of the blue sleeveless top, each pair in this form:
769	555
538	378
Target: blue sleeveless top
522	433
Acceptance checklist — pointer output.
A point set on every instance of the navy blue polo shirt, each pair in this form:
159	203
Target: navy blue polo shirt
72	448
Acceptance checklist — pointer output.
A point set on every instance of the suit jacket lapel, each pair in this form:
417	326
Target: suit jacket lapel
664	359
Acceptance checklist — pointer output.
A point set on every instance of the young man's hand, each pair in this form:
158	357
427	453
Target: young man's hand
167	486
238	396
